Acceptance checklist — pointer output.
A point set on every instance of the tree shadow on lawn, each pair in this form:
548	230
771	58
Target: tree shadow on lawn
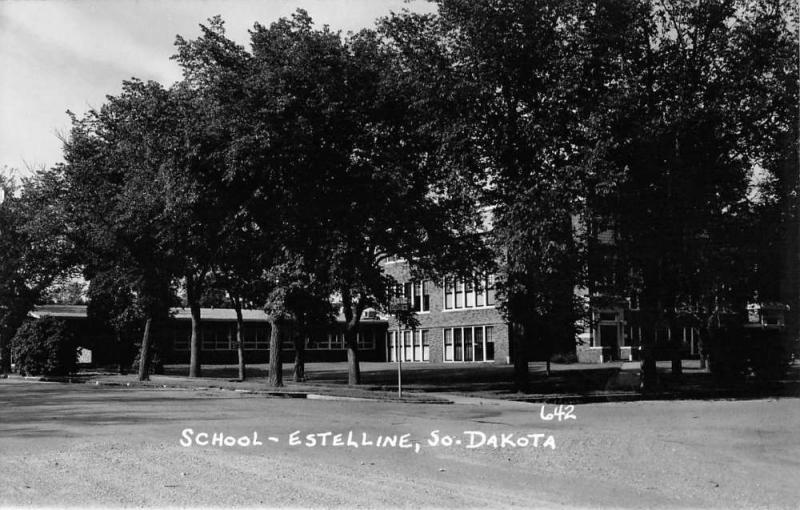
433	378
574	379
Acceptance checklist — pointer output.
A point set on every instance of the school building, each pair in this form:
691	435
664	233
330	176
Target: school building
458	320
171	338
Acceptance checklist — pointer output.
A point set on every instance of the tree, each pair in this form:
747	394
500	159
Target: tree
631	117
509	65
686	142
393	193
111	191
114	304
34	251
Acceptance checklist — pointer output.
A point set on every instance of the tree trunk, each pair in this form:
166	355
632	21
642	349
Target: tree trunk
520	355
275	368
701	347
5	353
299	359
121	355
352	316
144	354
677	362
194	357
790	271
353	369
237	305
648	374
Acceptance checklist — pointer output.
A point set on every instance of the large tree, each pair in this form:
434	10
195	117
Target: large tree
261	180
34	250
713	105
112	191
507	67
209	189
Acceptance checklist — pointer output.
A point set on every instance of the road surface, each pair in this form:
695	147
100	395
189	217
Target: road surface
71	445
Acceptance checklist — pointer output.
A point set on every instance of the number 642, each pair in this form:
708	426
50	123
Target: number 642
560	413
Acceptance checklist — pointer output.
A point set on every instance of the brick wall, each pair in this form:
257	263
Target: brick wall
438	319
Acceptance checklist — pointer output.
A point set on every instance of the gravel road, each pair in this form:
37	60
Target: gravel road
79	445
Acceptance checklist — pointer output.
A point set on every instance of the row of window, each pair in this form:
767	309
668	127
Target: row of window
258	340
335	341
474	343
469	344
625	335
469	293
414	346
458	293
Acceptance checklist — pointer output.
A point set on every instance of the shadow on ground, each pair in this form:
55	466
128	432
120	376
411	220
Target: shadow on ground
612	380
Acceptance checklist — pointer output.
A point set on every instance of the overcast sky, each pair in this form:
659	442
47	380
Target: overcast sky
58	55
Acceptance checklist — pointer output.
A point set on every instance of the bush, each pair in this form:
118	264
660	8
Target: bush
45	347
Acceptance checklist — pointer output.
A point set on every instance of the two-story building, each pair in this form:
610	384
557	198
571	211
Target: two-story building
458	320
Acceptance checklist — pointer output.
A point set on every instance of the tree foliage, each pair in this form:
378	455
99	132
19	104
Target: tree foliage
34	251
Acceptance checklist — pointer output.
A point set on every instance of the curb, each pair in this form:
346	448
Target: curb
273	394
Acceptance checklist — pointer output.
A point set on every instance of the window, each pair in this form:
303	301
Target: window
327	342
406	345
215	338
448	293
255	338
469	290
181	342
448	345
223	339
320	341
207	336
420	298
426	346
468	344
477	292
366	340
392	346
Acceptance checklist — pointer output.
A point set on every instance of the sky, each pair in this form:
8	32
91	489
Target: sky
59	55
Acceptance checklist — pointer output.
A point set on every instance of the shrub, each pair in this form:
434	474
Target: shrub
45	347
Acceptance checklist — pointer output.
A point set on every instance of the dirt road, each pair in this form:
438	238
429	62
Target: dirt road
70	445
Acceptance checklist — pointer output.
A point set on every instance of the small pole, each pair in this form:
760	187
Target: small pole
399	362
